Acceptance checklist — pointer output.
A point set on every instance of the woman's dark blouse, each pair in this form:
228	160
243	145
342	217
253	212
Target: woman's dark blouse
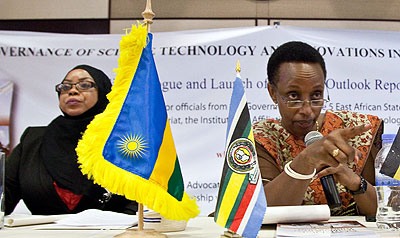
28	179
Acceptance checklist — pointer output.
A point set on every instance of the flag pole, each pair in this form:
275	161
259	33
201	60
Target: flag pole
228	233
238	66
148	16
140	217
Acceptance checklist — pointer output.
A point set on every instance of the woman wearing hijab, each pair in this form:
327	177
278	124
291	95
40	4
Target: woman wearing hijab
43	170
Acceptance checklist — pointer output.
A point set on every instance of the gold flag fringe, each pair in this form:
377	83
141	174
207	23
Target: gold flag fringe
90	147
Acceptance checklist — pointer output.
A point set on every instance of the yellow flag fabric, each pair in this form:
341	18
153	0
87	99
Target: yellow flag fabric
128	149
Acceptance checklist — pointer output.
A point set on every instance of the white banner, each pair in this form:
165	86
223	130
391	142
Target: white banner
197	70
6	92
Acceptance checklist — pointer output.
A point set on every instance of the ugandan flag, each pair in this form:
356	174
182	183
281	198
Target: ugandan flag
128	149
391	165
241	201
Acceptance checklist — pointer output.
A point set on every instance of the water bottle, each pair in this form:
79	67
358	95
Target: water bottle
387	189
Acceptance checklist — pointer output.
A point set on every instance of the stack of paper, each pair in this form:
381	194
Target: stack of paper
25	219
88	219
289	214
324	229
99	218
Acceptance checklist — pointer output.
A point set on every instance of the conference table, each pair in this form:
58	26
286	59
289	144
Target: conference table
200	227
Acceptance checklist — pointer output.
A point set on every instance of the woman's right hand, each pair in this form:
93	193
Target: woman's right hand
330	150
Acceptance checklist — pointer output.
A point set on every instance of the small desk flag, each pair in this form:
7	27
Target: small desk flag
128	149
241	201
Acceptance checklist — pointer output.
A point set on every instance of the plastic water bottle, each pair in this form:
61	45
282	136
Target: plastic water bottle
387	189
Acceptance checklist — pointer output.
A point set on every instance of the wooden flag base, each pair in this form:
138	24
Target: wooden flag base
140	232
146	233
230	234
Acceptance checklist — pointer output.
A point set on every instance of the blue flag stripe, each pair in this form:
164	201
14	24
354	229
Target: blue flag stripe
236	102
149	124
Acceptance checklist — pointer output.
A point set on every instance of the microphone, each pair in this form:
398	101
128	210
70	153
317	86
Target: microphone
328	182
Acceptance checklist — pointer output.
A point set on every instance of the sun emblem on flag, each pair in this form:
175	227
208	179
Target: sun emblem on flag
132	146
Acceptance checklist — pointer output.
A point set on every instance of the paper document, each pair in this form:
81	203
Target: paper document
94	217
291	214
26	219
324	229
88	219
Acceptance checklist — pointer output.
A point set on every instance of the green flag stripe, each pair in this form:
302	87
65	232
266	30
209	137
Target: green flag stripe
247	130
222	189
238	201
175	183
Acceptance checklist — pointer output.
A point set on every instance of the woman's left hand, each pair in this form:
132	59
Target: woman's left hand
343	175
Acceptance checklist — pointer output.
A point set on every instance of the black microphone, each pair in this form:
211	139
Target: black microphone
328	182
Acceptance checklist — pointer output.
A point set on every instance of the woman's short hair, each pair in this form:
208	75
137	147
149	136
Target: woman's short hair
293	51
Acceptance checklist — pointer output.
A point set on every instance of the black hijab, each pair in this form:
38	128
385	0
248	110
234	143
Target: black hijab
61	138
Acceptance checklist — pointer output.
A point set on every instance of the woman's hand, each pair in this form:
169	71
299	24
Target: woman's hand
366	202
333	149
343	175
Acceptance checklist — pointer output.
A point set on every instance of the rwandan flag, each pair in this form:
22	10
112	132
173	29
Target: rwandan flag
128	149
241	200
391	166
